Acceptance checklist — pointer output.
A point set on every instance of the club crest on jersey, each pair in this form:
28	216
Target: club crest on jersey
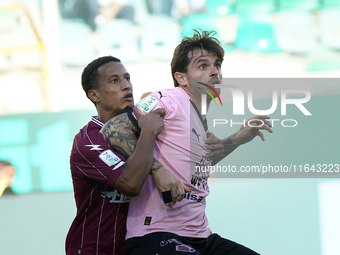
147	104
109	158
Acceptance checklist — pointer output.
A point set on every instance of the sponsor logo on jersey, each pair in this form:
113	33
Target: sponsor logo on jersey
109	158
202	169
199	183
116	197
193	197
147	104
94	147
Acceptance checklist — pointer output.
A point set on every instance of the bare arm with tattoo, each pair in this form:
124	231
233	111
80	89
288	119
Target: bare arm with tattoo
139	153
219	149
122	134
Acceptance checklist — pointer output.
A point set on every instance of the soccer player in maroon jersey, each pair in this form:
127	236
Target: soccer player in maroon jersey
102	178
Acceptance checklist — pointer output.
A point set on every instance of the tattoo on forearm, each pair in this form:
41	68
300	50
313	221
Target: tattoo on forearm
156	165
228	145
120	133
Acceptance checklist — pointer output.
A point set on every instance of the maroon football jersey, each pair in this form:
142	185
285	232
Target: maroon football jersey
100	224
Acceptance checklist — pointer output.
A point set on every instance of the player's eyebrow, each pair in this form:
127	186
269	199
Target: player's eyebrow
200	60
112	76
116	75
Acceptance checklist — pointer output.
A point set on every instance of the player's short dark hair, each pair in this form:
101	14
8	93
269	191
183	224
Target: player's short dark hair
203	40
90	76
4	163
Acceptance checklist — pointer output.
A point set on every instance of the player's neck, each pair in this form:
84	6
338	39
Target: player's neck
198	102
100	117
104	116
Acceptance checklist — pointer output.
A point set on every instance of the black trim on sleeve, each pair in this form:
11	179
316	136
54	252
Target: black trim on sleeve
133	120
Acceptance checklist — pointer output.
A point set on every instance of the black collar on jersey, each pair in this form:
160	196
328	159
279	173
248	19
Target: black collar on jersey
204	122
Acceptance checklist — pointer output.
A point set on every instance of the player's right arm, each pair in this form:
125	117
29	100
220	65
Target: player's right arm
139	153
121	134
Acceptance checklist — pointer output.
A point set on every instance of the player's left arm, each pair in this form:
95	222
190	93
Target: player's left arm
219	149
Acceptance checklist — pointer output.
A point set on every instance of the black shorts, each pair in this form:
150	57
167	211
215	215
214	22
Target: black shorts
165	243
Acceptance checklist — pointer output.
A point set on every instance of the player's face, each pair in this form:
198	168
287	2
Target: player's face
204	66
115	89
7	174
204	69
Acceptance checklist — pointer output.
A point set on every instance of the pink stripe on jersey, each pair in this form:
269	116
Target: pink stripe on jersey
83	229
98	122
115	230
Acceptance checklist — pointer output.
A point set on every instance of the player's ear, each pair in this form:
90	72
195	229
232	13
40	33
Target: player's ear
182	79
93	95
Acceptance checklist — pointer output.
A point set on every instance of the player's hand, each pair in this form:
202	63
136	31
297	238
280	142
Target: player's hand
214	146
152	121
166	181
247	133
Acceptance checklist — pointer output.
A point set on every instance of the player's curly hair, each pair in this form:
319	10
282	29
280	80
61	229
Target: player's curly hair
90	76
203	40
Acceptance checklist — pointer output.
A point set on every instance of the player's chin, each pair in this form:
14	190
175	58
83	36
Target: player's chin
128	104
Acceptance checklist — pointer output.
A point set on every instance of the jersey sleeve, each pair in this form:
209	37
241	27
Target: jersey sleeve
92	157
156	100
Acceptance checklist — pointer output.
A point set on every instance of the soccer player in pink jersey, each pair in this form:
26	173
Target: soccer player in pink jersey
102	178
182	146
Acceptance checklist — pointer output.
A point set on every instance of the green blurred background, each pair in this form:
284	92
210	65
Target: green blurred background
44	46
